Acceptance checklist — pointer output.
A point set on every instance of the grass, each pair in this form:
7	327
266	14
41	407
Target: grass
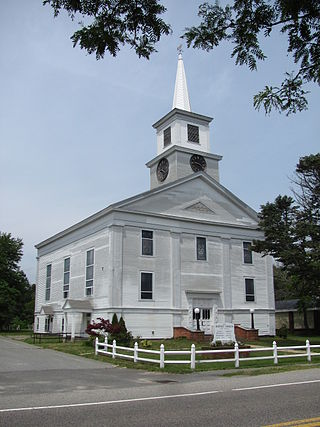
254	367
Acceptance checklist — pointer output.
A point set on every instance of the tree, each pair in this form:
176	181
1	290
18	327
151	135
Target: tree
137	23
115	23
283	287
247	21
292	231
15	292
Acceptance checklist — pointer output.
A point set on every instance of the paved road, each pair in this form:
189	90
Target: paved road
43	387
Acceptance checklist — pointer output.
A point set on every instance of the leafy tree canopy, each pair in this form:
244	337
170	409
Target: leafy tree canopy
244	23
292	231
136	23
16	295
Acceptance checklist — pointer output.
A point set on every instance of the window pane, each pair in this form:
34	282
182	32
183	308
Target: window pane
89	291
146	285
247	254
90	257
66	278
147	247
146	295
249	289
147	242
147	234
89	283
89	273
146	282
201	248
49	270
67	264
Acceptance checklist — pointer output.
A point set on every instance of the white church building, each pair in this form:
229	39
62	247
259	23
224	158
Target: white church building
155	257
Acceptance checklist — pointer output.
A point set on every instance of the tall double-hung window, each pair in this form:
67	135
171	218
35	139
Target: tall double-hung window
201	248
249	283
247	252
146	286
48	281
66	277
147	242
89	272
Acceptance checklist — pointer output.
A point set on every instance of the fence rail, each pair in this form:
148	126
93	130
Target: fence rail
113	351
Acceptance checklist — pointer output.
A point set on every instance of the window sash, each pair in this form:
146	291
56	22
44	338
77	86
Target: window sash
147	242
249	283
90	257
146	286
48	281
201	249
89	272
247	253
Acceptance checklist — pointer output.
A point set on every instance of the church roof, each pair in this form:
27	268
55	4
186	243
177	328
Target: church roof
181	96
123	204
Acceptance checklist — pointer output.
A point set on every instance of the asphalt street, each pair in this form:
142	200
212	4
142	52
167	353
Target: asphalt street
43	387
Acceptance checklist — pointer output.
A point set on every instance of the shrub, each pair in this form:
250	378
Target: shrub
282	332
116	330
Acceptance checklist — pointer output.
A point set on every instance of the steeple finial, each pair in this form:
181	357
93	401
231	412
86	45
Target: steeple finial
181	96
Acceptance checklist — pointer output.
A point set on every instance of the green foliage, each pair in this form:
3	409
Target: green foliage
292	232
282	332
16	295
115	23
116	330
114	320
283	286
245	23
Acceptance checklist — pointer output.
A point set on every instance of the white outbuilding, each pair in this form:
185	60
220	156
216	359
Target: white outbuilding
155	257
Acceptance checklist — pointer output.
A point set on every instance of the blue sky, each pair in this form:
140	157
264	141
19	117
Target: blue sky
75	133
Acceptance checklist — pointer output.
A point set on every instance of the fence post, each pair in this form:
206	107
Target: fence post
193	357
96	346
275	353
308	350
161	356
114	345
135	352
236	355
106	339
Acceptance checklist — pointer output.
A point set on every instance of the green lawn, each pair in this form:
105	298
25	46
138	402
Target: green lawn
254	367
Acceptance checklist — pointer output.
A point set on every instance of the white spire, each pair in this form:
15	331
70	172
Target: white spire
181	96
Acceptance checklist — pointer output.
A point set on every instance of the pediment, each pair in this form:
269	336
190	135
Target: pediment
197	197
199	207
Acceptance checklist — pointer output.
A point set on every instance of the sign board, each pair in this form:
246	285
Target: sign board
224	332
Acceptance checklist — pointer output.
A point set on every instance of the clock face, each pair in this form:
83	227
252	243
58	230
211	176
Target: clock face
198	163
162	169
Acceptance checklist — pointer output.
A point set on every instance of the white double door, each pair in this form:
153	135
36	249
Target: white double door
205	319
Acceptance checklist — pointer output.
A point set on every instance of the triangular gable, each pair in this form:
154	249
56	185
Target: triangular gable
199	207
47	310
196	197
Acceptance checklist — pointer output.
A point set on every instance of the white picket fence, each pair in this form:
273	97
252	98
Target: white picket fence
136	353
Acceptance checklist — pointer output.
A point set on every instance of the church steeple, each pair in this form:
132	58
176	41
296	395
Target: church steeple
181	96
183	139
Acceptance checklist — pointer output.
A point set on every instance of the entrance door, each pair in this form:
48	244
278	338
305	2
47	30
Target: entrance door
205	320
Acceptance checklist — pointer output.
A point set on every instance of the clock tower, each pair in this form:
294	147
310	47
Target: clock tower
183	139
